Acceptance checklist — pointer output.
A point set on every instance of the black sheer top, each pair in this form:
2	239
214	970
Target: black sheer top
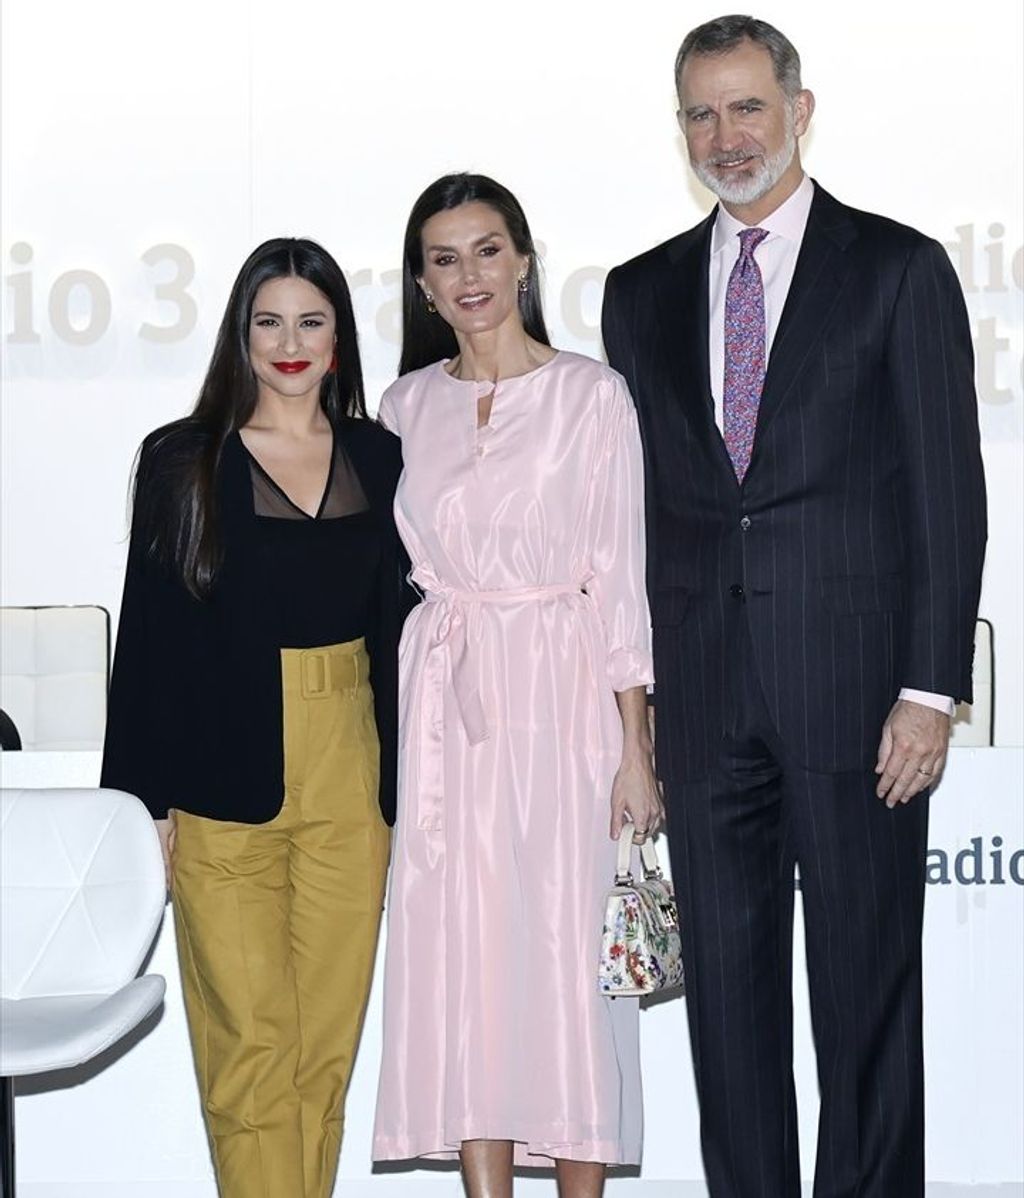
322	568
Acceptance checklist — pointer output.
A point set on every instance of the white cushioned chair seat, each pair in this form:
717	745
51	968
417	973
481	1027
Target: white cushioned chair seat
40	1034
83	892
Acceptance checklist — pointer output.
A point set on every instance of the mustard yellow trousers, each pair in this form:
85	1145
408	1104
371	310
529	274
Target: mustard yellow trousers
276	928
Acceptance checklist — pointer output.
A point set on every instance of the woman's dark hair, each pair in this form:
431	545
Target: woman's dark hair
179	462
426	335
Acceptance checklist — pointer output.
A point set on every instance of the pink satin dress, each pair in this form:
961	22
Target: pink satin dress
527	541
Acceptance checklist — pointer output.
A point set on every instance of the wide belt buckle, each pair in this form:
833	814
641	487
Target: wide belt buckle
316	675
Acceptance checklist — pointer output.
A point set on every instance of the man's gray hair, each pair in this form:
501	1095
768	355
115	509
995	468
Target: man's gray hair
726	33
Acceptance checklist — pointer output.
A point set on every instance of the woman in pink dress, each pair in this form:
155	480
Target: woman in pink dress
523	733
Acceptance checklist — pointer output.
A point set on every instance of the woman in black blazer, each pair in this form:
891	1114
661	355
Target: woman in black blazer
253	709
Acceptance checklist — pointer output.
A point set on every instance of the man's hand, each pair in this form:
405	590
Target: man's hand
912	752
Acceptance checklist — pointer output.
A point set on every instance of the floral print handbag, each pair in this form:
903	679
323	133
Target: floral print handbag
641	950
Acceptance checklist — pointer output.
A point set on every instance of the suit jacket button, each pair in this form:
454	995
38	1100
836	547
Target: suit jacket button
745	523
736	591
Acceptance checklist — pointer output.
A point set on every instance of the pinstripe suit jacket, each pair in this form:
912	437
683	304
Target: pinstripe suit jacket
854	546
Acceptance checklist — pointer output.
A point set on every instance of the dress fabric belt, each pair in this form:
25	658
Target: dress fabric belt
451	648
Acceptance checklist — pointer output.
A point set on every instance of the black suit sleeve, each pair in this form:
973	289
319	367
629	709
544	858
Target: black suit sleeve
930	373
394	599
620	349
127	761
615	341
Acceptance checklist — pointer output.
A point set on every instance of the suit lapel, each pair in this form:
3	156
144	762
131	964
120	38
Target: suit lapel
682	309
822	269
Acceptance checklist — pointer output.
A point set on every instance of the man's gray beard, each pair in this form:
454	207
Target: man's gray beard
758	184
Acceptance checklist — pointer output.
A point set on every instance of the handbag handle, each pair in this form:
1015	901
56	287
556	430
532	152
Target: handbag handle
648	857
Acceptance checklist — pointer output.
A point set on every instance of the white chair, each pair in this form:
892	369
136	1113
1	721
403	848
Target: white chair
974	724
83	892
54	665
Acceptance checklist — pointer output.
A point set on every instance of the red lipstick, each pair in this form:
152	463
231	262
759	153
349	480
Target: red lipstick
291	367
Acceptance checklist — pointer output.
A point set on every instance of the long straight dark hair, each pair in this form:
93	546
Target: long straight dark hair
426	336
181	460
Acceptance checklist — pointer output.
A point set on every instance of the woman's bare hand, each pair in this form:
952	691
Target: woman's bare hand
636	797
167	829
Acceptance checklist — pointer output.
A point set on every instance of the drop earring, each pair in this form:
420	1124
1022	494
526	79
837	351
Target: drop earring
524	284
429	297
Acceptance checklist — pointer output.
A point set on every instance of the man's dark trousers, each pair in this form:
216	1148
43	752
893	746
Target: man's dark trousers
734	838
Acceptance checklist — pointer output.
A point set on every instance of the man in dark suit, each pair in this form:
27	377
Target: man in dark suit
816	510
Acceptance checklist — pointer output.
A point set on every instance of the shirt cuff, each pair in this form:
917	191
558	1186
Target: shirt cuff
928	699
630	667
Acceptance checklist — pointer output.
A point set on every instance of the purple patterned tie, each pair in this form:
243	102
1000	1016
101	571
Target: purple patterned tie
744	352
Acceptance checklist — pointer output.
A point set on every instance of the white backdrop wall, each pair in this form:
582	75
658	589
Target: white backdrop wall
146	149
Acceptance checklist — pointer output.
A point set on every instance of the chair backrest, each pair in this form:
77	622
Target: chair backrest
974	724
54	666
9	737
82	891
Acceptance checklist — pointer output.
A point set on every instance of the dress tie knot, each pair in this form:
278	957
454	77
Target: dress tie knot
750	239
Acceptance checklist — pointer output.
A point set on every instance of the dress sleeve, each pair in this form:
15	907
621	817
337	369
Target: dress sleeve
618	557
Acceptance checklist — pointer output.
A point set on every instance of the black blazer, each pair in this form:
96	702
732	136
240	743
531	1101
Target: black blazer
194	716
854	546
